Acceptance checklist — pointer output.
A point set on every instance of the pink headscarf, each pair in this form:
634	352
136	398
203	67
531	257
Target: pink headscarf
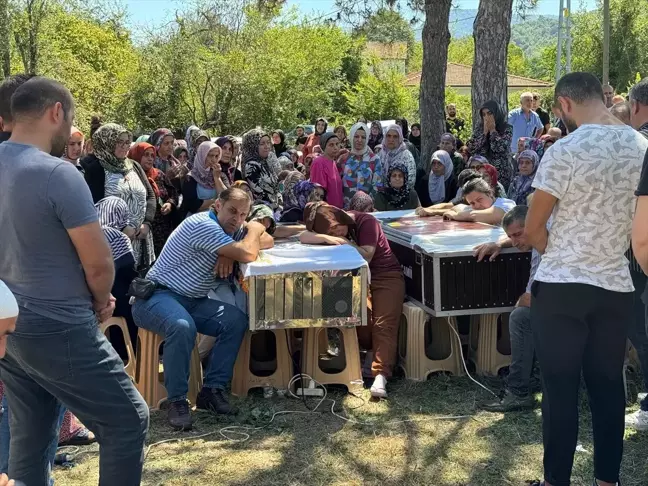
200	172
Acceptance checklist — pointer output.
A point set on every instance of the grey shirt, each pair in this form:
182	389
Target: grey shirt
41	198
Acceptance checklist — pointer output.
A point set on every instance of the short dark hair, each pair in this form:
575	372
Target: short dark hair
478	185
233	193
37	95
580	87
517	214
639	92
467	175
7	89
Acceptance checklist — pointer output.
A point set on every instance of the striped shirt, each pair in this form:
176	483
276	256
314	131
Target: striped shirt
186	264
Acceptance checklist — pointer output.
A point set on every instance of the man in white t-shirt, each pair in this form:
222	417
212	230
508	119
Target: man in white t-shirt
582	300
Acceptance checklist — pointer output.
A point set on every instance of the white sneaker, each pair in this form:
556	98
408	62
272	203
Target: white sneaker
379	387
637	420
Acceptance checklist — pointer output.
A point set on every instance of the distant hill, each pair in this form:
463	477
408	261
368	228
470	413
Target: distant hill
530	33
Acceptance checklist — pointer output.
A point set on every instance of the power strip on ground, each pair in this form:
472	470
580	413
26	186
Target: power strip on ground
311	391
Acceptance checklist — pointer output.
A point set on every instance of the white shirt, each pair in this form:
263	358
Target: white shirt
593	173
504	204
8	304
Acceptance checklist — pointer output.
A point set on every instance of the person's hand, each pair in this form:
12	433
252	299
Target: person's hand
524	300
335	240
449	215
485	249
341	159
421	211
130	232
489	123
166	208
5	481
224	267
143	232
217	170
104	311
255	226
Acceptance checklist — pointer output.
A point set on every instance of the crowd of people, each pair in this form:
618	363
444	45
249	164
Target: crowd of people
147	229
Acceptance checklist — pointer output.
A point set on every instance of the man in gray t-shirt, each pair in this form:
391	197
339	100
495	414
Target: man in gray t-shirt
42	197
55	259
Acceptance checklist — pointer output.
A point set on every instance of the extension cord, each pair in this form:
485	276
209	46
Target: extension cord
311	391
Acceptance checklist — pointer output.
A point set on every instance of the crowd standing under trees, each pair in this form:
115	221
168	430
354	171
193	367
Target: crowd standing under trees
160	196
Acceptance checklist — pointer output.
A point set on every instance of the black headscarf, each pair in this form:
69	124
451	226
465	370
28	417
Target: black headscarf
404	126
501	120
325	126
375	139
281	147
416	141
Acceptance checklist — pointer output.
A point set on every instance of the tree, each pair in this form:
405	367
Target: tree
5	38
436	38
386	26
492	33
381	95
27	28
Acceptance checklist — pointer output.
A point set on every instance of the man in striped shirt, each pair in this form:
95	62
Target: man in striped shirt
203	247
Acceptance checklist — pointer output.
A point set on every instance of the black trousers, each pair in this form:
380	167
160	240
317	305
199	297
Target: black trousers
581	327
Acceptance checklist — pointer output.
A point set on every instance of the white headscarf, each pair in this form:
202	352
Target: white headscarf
436	184
354	129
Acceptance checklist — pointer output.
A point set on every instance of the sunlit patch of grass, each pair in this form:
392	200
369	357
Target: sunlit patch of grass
402	443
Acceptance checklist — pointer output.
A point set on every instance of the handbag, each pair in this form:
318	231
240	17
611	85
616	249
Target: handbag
141	288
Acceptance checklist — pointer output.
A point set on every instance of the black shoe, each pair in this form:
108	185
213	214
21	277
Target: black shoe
509	402
214	400
179	415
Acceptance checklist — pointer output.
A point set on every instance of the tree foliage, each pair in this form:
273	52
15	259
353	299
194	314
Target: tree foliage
381	95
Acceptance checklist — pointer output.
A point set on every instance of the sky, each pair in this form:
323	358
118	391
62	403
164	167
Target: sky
155	13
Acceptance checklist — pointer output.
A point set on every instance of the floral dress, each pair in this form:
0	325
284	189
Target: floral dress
359	174
496	147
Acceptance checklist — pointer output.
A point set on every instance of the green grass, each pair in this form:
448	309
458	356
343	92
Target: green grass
320	449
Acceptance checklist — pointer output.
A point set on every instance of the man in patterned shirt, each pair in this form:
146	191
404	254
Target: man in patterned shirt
202	249
582	297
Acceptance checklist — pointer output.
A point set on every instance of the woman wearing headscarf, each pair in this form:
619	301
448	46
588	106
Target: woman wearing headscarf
520	187
490	175
259	174
109	172
181	153
203	183
376	135
396	195
341	133
324	170
113	218
362	202
279	142
442	184
313	139
165	193
329	225
415	136
492	139
296	199
395	152
531	143
74	147
162	139
359	168
228	165
189	138
197	138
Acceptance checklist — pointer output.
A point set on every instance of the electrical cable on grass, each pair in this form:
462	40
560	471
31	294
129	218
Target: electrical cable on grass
242	430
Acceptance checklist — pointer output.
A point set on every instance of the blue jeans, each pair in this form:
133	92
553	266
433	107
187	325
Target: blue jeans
5	437
51	363
179	319
522	351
